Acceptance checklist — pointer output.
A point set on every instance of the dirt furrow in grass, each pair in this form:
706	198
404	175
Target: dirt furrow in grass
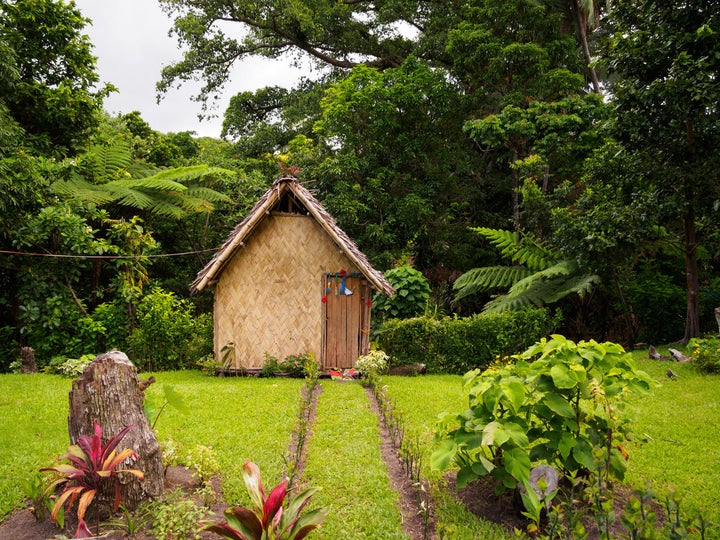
409	503
344	458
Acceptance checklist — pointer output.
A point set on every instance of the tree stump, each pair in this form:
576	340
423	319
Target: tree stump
107	392
28	365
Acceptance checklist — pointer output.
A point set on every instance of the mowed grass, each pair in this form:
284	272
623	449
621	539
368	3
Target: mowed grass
344	459
240	418
680	449
33	430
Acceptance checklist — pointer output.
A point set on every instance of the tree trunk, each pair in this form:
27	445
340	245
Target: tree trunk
107	393
692	321
582	23
28	364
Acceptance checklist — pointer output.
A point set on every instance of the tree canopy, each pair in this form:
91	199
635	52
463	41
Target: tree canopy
580	137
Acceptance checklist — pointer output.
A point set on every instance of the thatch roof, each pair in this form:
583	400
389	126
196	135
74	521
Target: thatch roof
269	201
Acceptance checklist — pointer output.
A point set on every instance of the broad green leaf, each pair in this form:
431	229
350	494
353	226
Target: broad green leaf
618	464
443	454
514	391
562	376
566	444
517	464
491	397
582	452
559	405
489	434
465	476
516	434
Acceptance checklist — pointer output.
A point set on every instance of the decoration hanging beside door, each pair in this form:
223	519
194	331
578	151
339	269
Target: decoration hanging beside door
336	283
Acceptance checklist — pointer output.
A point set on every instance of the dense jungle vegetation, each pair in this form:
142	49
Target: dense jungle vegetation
587	131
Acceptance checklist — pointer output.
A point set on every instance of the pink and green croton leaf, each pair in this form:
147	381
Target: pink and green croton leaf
268	519
90	465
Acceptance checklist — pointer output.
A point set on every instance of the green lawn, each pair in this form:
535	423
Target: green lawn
33	430
678	421
344	458
249	418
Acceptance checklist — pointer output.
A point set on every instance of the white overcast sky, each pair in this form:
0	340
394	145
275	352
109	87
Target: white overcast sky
131	42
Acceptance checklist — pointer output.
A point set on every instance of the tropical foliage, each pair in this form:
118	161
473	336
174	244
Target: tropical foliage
269	519
558	403
539	277
92	464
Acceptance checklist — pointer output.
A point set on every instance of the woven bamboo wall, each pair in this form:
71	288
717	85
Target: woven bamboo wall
268	298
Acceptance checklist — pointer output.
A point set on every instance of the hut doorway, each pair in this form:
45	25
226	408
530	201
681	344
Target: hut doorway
347	319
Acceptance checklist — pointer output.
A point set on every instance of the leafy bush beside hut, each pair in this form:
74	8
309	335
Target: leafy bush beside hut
459	344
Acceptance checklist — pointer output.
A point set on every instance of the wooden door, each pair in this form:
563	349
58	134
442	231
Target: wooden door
347	319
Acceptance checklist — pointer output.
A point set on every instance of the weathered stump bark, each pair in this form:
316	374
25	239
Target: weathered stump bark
27	356
107	392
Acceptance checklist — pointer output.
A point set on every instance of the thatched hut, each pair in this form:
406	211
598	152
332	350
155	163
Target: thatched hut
289	281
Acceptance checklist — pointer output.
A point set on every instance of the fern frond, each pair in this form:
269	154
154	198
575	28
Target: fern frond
189	173
206	193
152	182
506	302
108	159
169	209
185	202
134	199
580	285
81	190
489	277
519	249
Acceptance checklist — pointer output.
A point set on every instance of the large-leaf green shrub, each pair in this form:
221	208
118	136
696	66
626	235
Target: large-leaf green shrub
459	344
412	291
558	403
169	334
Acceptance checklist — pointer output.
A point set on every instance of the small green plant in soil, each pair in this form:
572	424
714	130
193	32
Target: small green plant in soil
268	519
92	464
129	523
176	517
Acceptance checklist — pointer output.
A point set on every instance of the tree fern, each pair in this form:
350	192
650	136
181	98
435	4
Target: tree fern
519	249
541	276
488	278
107	160
117	180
